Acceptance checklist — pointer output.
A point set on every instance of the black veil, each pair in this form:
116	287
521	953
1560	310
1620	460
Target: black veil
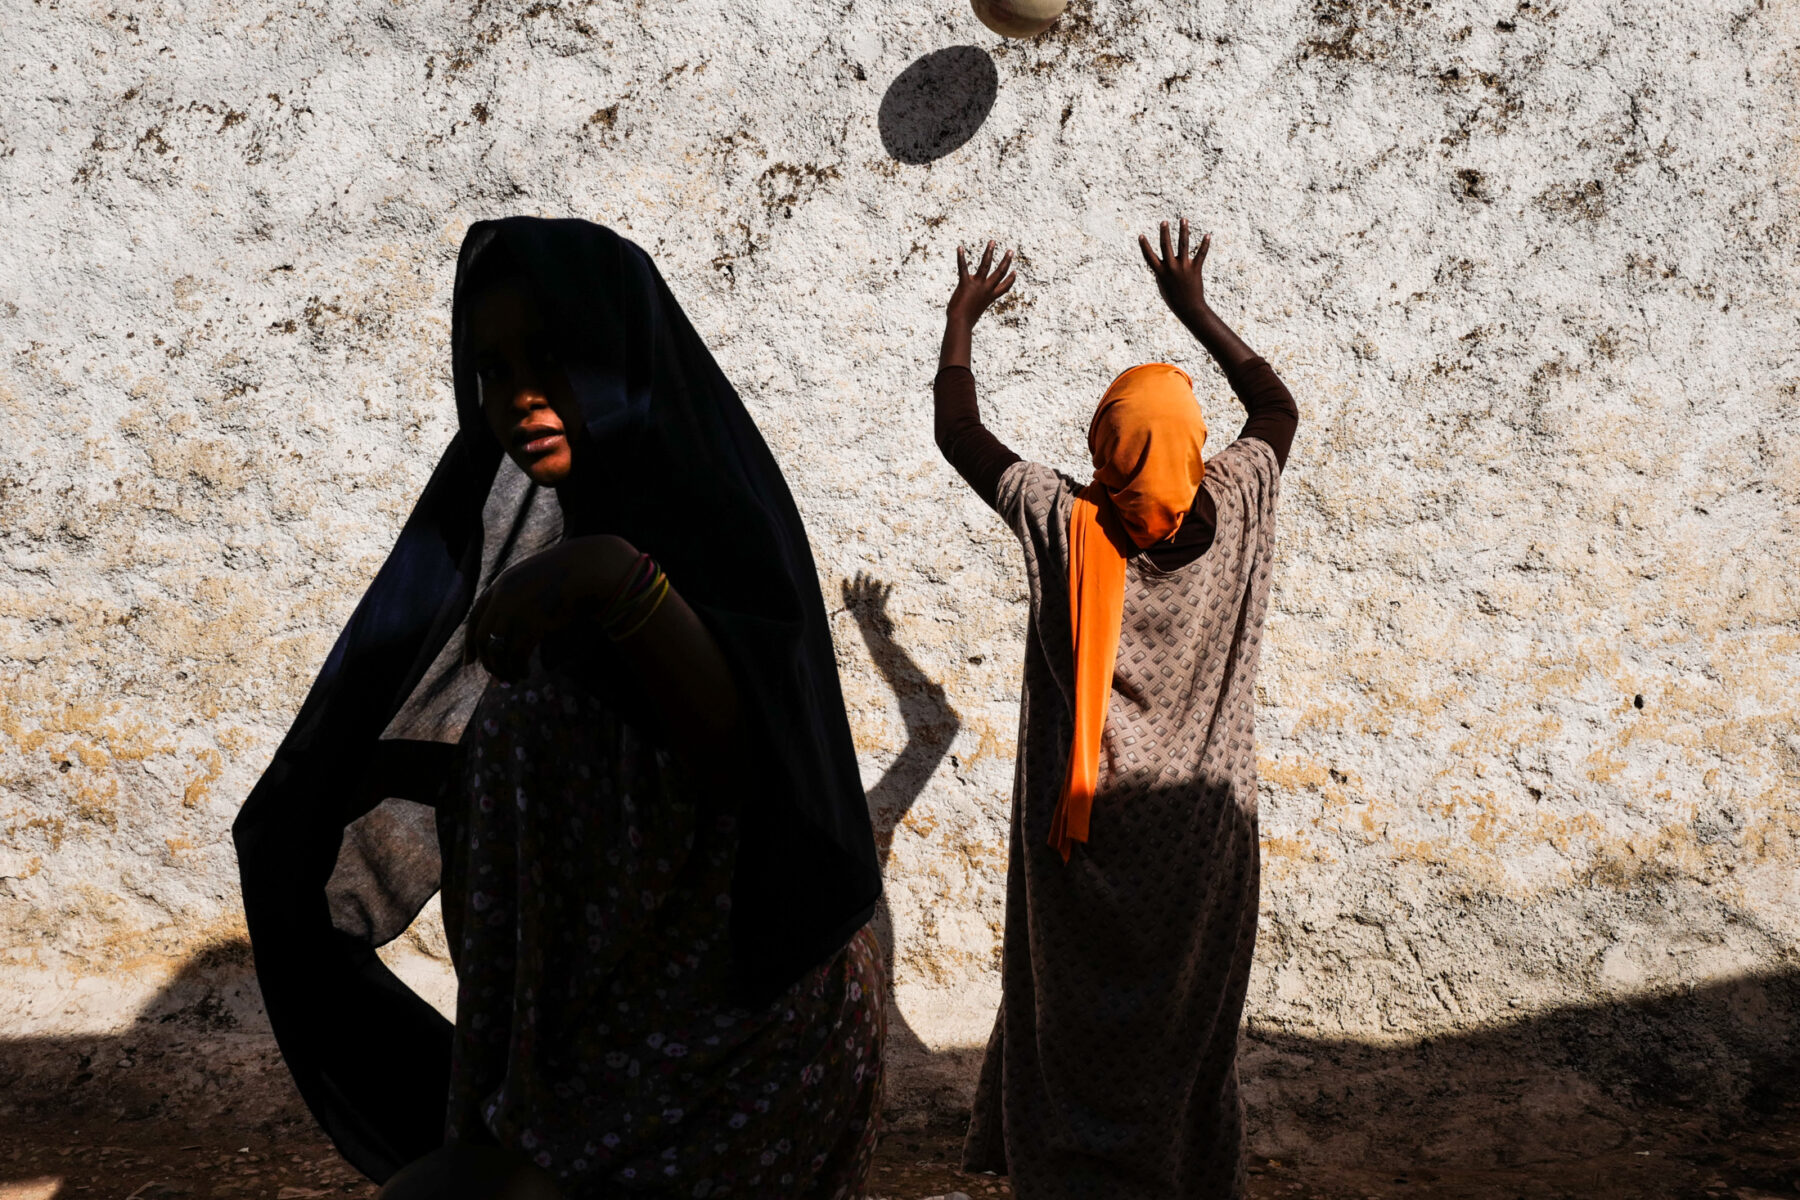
336	844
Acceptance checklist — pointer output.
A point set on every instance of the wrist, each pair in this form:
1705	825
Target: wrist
1192	313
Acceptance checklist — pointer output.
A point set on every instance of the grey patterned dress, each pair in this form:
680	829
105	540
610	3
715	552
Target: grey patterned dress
1112	1069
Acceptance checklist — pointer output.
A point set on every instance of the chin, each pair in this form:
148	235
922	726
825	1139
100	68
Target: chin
550	471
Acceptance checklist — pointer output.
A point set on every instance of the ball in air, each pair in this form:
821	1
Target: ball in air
1018	18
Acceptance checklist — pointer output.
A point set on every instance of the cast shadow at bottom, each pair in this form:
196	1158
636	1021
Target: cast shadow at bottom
1693	1080
1671	1088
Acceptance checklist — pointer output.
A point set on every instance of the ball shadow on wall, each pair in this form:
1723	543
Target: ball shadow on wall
937	104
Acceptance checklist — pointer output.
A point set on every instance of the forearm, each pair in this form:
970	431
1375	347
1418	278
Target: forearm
683	674
958	347
1270	412
1226	347
978	456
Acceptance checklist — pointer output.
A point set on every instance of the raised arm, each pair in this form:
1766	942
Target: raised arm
978	456
1272	415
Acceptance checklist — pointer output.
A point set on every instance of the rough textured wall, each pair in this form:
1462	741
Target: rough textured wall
1528	733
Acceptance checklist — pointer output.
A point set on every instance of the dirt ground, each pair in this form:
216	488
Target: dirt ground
138	1160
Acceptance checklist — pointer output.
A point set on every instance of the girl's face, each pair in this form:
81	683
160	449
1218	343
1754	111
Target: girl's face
525	393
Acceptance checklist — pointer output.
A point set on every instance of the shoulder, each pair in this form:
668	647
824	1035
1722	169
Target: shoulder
1034	500
1032	487
1245	475
1247	454
1247	460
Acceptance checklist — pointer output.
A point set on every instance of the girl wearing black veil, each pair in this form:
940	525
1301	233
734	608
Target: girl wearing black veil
599	652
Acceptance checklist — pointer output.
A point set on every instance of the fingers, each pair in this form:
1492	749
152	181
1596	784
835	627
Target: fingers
1149	254
865	592
985	269
1005	285
481	635
1177	255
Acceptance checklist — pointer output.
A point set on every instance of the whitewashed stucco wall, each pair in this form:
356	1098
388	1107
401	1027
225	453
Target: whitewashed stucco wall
1529	268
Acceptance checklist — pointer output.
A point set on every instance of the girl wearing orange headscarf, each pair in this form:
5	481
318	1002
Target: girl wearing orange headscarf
1132	889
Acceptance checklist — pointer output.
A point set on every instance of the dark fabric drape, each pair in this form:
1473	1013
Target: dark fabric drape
333	860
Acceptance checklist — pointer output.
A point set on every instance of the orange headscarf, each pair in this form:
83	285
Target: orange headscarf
1146	438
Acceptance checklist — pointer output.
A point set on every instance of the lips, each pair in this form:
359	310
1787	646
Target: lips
536	439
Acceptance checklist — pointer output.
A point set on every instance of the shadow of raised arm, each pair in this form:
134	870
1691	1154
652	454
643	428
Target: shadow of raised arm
931	724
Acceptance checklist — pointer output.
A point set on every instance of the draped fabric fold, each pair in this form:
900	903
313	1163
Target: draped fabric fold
1146	438
689	480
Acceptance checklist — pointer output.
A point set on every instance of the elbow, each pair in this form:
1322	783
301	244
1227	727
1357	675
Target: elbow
945	440
947	433
1278	399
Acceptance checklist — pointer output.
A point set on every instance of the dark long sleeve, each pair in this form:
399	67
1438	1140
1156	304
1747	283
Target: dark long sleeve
1272	413
978	456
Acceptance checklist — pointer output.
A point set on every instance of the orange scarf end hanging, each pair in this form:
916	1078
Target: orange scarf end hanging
1146	438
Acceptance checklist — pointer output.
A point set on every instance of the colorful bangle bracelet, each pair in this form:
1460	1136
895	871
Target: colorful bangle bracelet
642	571
658	594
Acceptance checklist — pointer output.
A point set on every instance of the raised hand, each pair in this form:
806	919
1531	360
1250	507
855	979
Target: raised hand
1178	274
867	599
1178	278
977	289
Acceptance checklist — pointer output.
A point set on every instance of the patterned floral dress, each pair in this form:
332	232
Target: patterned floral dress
587	897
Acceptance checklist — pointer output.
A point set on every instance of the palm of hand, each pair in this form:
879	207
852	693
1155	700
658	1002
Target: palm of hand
867	599
977	289
1179	275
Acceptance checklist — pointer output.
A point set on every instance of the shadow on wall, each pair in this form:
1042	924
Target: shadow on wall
937	104
1562	1086
200	1053
941	1080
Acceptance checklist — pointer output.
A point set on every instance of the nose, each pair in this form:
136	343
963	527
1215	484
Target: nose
527	395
